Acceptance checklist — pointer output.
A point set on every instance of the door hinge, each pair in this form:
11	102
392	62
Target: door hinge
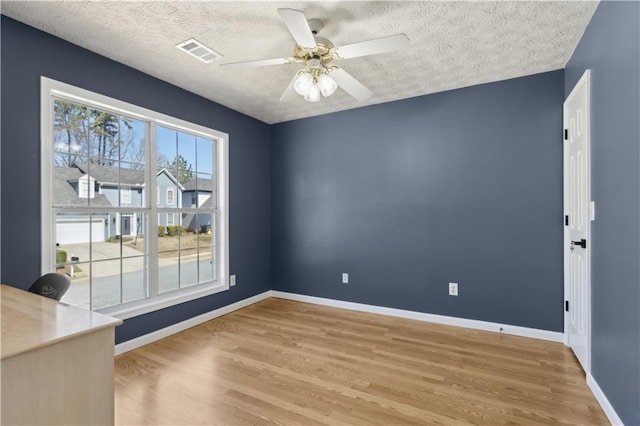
566	220
566	134
566	305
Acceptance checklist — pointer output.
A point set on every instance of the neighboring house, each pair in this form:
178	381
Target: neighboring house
197	193
169	195
78	227
83	185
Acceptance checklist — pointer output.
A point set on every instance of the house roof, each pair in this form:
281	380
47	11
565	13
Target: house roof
65	195
200	184
171	176
109	174
208	204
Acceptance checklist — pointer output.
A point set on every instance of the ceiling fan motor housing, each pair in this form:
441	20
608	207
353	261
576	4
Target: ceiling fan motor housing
314	64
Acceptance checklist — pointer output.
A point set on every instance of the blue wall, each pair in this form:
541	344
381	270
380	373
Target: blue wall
610	47
462	186
26	55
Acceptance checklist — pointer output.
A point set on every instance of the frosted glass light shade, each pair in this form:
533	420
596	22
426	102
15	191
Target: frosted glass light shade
314	94
303	83
327	85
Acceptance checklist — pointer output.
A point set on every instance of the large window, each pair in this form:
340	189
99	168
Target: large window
117	213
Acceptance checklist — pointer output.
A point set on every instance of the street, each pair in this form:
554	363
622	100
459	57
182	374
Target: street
106	289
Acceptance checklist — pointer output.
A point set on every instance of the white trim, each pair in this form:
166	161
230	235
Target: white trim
132	344
47	229
552	336
173	197
603	401
125	194
222	210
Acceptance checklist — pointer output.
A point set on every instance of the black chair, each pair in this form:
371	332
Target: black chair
51	285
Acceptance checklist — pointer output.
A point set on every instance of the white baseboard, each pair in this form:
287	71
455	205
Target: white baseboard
132	344
420	316
515	330
603	401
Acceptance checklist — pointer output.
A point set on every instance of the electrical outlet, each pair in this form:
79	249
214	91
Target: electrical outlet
232	280
345	278
453	289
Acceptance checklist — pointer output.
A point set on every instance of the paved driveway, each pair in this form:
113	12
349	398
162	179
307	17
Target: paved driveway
102	251
108	290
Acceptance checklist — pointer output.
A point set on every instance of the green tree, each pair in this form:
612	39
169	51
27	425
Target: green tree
182	170
69	133
104	137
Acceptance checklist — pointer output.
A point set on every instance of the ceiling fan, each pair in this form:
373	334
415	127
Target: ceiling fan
320	76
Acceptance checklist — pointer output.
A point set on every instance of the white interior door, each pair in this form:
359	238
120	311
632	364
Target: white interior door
577	238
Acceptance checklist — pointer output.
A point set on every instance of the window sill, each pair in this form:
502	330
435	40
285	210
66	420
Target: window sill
145	306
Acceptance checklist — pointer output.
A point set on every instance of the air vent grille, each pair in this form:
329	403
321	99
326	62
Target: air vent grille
198	50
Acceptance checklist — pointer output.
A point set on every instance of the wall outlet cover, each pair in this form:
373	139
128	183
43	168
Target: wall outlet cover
345	278
232	280
453	289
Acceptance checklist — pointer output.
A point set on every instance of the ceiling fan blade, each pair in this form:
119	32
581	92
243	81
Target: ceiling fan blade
350	84
372	47
298	27
290	93
259	63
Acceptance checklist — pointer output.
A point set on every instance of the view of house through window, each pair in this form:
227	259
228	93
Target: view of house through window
108	217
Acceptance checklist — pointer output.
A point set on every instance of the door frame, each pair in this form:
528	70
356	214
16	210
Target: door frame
585	81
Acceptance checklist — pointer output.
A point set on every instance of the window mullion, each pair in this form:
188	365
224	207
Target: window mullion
152	202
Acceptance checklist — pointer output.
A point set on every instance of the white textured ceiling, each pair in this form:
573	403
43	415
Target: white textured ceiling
453	44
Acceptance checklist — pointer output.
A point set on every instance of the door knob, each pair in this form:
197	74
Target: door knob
582	243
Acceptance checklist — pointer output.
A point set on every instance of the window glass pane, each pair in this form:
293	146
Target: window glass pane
131	178
75	232
205	249
205	190
205	155
135	243
166	146
169	191
185	162
132	147
71	131
105	137
188	259
133	279
205	149
105	283
70	186
168	275
168	256
78	293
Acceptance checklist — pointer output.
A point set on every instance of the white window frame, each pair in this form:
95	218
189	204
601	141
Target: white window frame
171	222
173	197
51	90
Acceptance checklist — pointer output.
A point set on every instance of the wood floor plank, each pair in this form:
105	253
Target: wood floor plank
283	362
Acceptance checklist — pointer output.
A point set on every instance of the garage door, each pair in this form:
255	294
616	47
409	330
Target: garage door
77	231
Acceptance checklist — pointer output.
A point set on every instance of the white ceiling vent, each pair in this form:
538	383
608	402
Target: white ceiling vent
198	50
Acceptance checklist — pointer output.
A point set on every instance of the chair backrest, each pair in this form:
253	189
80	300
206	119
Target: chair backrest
51	285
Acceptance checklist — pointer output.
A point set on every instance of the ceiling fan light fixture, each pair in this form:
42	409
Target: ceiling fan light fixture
327	85
313	95
303	83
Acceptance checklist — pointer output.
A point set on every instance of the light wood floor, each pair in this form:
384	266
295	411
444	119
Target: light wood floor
288	362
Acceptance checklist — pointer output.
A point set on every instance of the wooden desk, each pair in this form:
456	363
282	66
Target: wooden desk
57	362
